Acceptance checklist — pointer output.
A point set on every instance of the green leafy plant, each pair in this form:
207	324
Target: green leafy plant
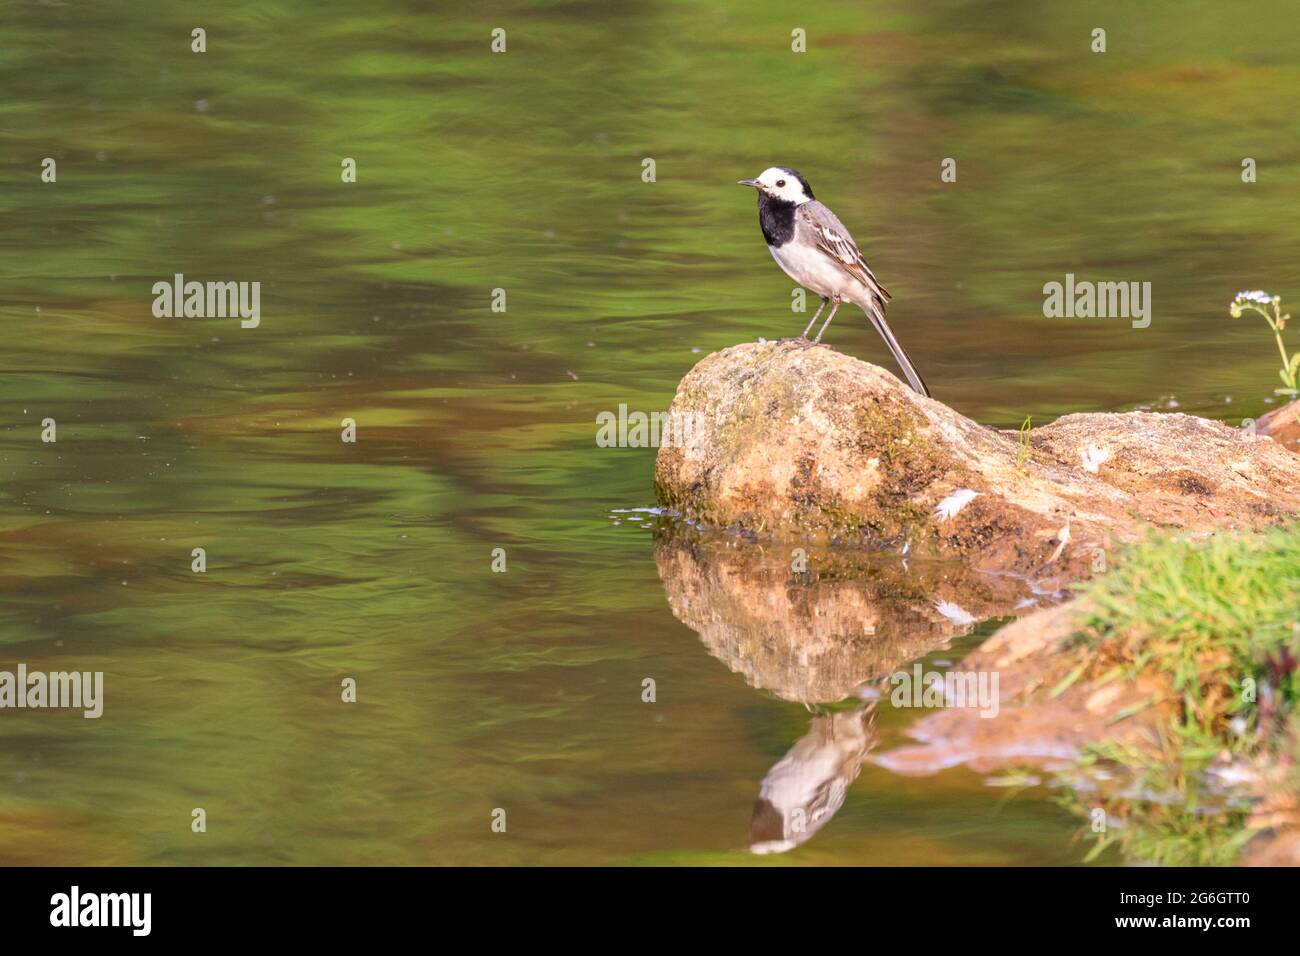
1270	307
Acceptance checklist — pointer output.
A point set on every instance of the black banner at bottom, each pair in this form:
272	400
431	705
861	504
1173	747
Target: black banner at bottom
338	905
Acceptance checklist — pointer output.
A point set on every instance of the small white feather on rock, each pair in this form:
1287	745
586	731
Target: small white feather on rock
1063	538
1094	457
950	506
955	613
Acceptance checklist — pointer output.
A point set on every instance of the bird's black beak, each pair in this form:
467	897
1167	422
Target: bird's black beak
747	182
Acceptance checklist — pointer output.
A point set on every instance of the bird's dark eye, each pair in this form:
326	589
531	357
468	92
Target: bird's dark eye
780	183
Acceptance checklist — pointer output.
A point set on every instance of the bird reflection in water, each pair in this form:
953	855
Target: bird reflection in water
820	638
807	786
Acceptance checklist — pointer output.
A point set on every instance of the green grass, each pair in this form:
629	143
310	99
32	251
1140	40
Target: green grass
1026	451
1220	619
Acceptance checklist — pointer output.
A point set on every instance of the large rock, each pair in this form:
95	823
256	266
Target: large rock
803	443
1282	425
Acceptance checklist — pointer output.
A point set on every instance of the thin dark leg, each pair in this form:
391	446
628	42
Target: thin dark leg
835	305
814	318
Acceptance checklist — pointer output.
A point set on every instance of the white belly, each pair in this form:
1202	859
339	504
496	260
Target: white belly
813	270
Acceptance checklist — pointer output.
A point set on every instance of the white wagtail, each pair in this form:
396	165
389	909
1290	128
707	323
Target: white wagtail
810	243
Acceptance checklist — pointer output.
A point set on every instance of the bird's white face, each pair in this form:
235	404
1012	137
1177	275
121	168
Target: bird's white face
780	184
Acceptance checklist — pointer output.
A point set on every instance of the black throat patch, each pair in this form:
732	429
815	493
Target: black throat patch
776	217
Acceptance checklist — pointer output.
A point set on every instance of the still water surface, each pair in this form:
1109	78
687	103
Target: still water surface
476	429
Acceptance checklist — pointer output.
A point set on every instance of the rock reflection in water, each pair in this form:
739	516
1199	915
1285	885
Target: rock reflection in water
852	618
820	636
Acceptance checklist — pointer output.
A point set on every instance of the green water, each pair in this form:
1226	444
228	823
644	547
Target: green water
476	429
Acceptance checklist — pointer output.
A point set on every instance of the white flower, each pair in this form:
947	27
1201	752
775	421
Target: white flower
950	506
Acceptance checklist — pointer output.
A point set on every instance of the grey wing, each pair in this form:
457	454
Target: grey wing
830	236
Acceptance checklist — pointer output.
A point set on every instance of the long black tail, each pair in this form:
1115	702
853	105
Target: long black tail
877	317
